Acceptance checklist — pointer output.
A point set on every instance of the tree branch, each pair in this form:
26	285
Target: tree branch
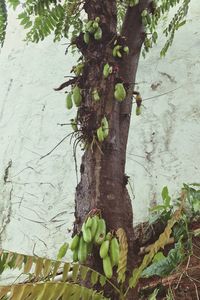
65	84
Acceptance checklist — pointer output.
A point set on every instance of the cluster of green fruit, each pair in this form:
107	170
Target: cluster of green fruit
103	130
107	70
120	92
92	28
95	95
118	50
93	232
74	96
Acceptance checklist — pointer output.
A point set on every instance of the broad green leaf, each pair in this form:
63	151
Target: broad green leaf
166	265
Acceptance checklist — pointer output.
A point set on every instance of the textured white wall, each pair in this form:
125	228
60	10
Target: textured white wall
37	196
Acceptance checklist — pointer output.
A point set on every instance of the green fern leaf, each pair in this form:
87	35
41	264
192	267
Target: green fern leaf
3	21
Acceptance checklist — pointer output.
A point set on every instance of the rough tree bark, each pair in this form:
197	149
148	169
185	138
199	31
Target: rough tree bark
103	180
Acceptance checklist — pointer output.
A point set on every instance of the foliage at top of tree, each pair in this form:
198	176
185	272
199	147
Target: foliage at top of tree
66	19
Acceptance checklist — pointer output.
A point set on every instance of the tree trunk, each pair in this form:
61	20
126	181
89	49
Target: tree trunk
103	180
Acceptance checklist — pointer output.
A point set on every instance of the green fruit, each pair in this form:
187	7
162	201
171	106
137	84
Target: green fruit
95	95
107	267
89	27
86	233
77	97
94	225
109	236
86	37
119	54
62	251
97	19
138	111
116	49
88	223
105	127
106	70
98	34
69	103
120	92
75	242
100	134
104	249
95	25
82	250
75	255
101	232
114	251
126	49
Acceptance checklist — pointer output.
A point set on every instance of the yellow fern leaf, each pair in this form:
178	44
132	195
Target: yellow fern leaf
123	245
47	267
28	264
38	267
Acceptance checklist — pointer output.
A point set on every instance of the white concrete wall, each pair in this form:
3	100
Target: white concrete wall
37	197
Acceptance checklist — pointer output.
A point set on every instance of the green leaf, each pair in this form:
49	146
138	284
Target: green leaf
166	265
165	196
157	208
14	3
102	280
83	272
75	271
3	21
158	256
180	230
94	278
153	296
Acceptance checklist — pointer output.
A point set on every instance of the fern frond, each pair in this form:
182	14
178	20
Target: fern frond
3	21
123	244
44	17
121	11
159	13
49	290
45	269
177	21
